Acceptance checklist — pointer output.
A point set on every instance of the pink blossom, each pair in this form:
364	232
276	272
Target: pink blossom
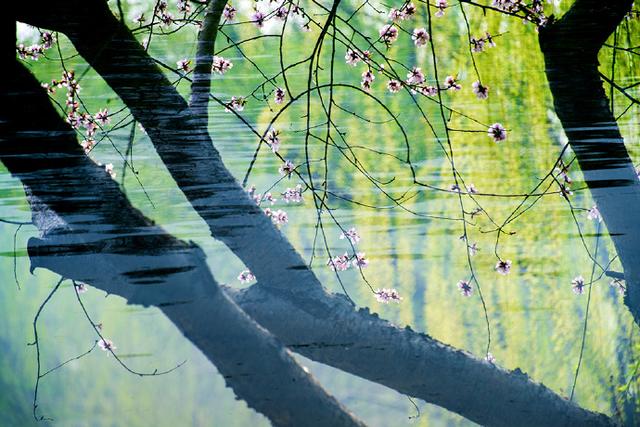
352	57
258	19
279	95
339	263
279	217
88	144
394	86
441	5
352	235
273	141
221	65
451	83
420	36
503	267
287	168
473	249
109	169
183	6
388	34
408	10
578	285
497	132
367	78
102	117
106	345
477	45
481	91
360	260
619	284
184	65
236	104
415	76
229	12
465	288
429	90
594	214
396	15
81	287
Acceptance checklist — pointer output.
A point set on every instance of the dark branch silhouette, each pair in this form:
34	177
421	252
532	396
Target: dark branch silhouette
570	47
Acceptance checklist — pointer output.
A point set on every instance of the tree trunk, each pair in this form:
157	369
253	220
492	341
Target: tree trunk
570	47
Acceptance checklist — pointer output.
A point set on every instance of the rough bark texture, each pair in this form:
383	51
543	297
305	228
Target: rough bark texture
289	297
570	47
91	233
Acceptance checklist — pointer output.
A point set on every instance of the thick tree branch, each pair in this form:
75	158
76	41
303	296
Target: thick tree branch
201	83
570	47
91	233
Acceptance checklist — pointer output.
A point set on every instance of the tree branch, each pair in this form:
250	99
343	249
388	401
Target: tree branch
201	84
570	47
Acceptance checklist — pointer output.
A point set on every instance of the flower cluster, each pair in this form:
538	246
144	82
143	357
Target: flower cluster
246	276
229	12
278	217
343	262
387	295
533	11
77	119
287	168
367	79
407	11
388	34
34	51
293	195
479	44
163	14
